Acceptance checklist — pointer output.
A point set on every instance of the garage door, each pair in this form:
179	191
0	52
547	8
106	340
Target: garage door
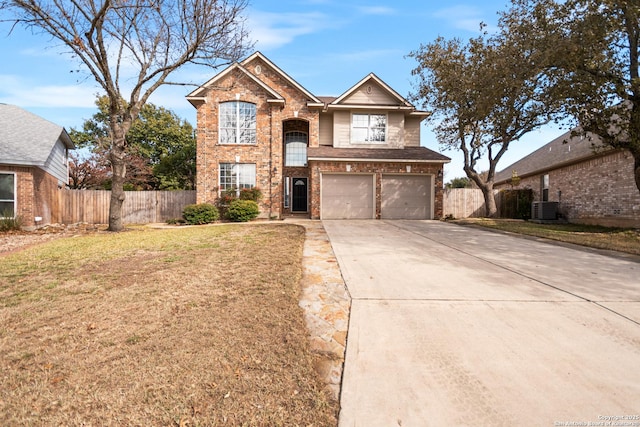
347	197
406	197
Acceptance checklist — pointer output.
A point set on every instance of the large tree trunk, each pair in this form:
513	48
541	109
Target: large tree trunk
118	167
119	170
491	210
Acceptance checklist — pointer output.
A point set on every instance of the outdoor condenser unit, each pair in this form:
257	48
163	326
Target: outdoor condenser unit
544	210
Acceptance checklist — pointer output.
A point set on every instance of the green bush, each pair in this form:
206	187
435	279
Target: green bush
250	194
203	213
242	210
8	222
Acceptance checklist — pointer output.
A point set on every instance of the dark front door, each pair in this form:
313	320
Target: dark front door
299	195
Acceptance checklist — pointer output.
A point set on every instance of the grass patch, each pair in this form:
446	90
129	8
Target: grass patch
617	239
189	326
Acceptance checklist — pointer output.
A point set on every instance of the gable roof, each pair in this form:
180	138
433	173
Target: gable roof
28	139
407	154
284	75
197	96
562	151
372	77
397	101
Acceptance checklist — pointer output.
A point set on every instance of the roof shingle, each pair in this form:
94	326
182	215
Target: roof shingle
27	139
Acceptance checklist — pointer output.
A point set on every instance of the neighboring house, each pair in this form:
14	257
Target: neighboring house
354	156
33	165
590	186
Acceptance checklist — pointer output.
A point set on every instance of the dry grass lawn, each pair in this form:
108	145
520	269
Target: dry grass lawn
615	239
181	327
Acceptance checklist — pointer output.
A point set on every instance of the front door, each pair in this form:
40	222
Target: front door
299	195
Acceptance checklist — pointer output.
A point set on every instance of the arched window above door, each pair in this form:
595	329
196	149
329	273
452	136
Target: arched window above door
295	144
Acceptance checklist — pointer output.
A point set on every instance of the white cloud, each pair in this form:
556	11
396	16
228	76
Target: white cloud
466	18
273	30
377	10
19	91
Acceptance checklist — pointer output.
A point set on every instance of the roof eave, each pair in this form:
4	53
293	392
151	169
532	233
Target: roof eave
380	160
370	107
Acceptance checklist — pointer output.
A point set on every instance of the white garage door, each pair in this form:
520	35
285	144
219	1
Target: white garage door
406	197
347	197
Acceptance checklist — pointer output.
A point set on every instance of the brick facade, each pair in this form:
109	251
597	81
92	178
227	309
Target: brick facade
36	194
598	190
281	106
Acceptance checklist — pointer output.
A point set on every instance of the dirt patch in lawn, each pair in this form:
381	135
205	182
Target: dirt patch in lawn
191	326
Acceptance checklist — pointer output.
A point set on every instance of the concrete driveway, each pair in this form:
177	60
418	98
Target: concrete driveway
455	326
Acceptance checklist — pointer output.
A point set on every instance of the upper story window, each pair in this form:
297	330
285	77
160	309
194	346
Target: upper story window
368	128
237	123
7	195
295	144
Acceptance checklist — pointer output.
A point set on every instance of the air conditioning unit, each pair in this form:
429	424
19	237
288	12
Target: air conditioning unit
544	210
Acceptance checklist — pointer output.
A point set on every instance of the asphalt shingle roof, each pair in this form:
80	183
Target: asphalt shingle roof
27	139
563	150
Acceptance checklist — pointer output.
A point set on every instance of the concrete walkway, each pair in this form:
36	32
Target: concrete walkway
457	326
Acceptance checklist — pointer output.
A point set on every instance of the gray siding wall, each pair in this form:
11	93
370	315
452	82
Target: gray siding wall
395	131
412	132
376	97
326	129
57	163
341	129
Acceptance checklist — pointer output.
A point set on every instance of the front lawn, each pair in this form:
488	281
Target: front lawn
616	239
182	327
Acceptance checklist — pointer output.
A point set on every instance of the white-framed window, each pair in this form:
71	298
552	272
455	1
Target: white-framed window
7	195
237	176
368	128
287	191
295	149
237	123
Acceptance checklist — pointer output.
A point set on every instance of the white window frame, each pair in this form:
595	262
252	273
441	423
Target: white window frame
238	170
369	129
15	193
293	141
242	135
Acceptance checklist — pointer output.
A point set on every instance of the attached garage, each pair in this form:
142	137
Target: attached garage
406	197
347	196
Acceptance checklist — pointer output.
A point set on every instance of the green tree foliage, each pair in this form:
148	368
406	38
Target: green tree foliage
462	182
162	148
592	51
485	94
131	48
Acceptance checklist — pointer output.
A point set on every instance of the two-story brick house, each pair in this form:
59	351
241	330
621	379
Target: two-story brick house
353	156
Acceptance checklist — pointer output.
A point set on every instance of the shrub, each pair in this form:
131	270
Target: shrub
242	210
229	195
250	194
203	213
8	222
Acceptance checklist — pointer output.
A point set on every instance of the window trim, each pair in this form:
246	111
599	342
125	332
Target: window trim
238	126
286	144
369	128
15	193
237	186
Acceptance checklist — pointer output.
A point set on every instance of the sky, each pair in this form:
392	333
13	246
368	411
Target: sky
327	46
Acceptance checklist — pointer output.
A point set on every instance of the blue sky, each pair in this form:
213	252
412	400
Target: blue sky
325	45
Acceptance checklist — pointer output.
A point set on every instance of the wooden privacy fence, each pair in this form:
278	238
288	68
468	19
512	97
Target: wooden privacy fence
140	207
467	202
